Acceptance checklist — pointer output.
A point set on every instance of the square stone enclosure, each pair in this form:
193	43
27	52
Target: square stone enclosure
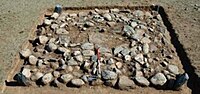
117	46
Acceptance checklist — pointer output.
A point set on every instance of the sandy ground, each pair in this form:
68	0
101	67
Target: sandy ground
18	17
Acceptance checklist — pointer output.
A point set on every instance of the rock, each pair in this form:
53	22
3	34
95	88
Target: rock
111	24
138	34
128	30
125	51
146	48
111	61
32	60
47	78
43	39
111	83
69	68
56	83
56	74
142	81
158	79
114	10
119	65
138	73
118	49
72	62
125	83
75	53
48	22
152	48
73	15
97	82
138	13
89	24
64	40
88	53
133	43
127	57
107	17
55	15
164	63
25	53
54	65
62	31
66	78
77	82
139	58
63	50
51	47
54	26
36	76
173	69
80	14
145	40
26	72
87	46
109	75
79	58
134	24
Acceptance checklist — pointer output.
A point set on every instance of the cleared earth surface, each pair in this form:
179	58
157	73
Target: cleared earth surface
17	19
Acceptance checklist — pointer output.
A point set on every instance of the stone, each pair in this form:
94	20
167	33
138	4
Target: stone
119	65
55	15
125	51
56	83
32	60
38	75
127	58
111	61
62	31
79	58
107	17
111	83
75	53
138	34
139	58
47	78
114	10
152	48
89	24
77	82
66	78
158	79
69	68
142	81
97	82
133	43
111	24
25	53
26	72
80	14
64	40
118	49
87	46
173	69
88	53
128	30
138	13
138	73
124	83
109	75
145	40
48	22
54	65
63	50
72	62
43	39
54	26
134	24
51	47
145	48
56	74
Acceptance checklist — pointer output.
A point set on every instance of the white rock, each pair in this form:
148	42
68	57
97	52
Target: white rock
114	10
66	78
77	82
146	48
48	22
43	39
89	24
47	78
134	24
25	53
88	53
32	60
62	31
38	75
56	74
52	47
119	65
109	75
145	40
158	79
55	15
72	62
75	53
26	72
87	46
63	50
139	58
79	58
142	81
173	69
107	17
127	57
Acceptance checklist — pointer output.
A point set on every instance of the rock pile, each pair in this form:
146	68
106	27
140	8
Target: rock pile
116	47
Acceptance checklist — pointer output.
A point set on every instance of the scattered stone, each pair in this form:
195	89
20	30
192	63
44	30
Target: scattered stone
56	74
51	47
134	24
32	60
128	30
173	69
38	75
72	62
87	46
43	39
63	50
118	50
62	31
89	24
79	58
66	78
77	82
88	53
26	72
47	78
127	58
139	58
107	17
109	75
158	79
146	48
48	22
142	81
125	83
119	65
25	53
55	15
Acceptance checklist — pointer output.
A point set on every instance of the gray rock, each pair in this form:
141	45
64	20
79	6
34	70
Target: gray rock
138	73
125	51
97	82
138	13
54	26
55	15
54	65
72	62
51	47
109	75
152	48
87	46
88	53
48	22
77	82
118	49
138	34
127	58
75	53
89	24
139	58
25	53
107	17
56	74
133	43
128	30
66	78
173	69
158	79
85	78
47	78
111	61
26	72
145	48
142	81
69	68
125	83
79	58
134	24
32	60
111	24
111	83
43	39
64	40
62	31
63	50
